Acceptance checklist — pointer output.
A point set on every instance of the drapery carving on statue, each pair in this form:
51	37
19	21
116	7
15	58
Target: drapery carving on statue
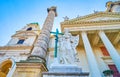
67	48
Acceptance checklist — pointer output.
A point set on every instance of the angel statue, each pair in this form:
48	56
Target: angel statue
67	48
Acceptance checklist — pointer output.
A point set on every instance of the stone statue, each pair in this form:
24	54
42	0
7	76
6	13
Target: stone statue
67	48
66	18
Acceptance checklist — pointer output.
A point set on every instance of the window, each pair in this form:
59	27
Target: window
20	41
30	28
104	51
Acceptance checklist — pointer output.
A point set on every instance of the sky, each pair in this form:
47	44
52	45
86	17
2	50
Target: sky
15	14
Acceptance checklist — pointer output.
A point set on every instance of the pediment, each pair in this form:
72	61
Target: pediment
25	33
100	16
102	19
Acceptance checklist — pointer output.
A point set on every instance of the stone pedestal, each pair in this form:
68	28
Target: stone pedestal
64	70
29	69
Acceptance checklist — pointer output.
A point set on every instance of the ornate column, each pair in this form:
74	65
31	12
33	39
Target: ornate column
94	70
112	51
40	48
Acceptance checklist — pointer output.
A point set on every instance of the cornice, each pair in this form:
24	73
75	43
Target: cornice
90	23
26	34
28	31
24	64
91	16
16	47
31	65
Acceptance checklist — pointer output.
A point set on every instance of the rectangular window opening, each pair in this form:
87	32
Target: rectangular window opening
21	41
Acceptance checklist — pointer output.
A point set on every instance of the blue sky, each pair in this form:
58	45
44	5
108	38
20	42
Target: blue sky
15	14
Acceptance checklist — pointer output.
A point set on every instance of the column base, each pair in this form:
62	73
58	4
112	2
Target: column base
35	58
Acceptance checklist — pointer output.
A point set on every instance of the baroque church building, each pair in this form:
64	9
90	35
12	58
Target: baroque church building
88	46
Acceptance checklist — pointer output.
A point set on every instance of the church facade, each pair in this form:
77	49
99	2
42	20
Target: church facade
31	50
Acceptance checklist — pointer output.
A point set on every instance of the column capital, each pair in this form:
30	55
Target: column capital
83	32
100	31
53	8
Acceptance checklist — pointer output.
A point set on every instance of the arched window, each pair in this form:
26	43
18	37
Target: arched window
30	28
